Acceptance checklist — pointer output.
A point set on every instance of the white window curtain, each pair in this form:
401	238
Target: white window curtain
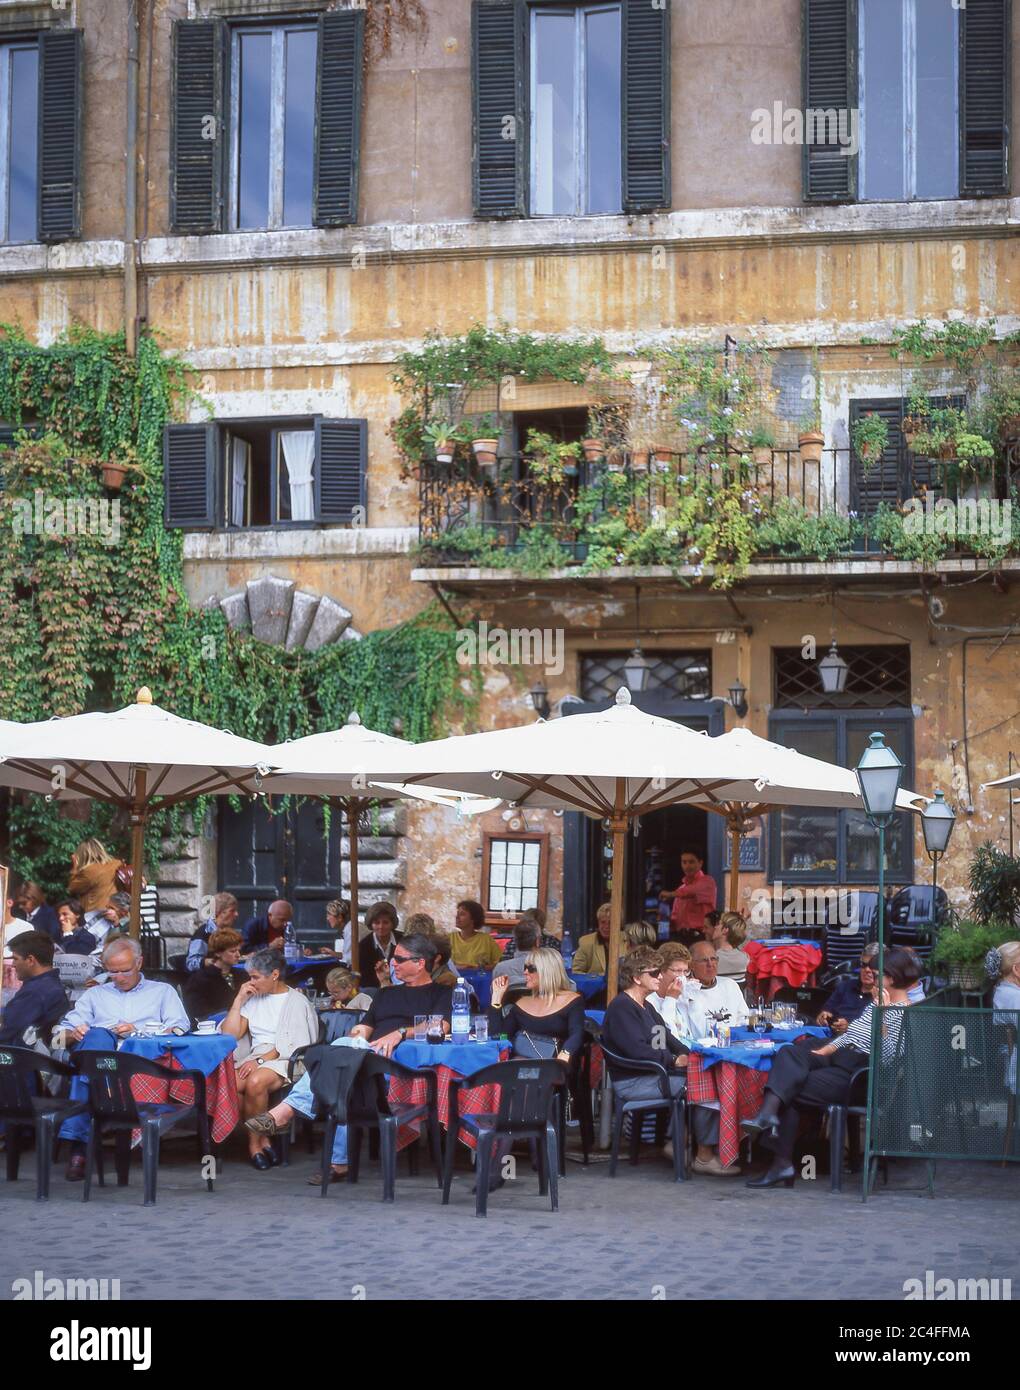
240	456
298	455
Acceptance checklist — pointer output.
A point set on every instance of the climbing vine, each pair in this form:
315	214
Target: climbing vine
93	604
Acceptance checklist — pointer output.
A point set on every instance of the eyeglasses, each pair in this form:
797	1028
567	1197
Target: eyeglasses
403	960
531	969
653	973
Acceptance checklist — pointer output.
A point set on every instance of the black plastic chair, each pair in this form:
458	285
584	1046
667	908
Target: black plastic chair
807	999
369	1109
528	1093
914	912
24	1106
112	1106
674	1106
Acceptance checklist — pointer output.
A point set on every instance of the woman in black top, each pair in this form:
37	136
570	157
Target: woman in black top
549	1020
211	988
633	1030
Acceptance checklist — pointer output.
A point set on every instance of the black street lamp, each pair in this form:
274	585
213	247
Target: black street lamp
878	776
833	671
937	821
635	671
540	698
738	698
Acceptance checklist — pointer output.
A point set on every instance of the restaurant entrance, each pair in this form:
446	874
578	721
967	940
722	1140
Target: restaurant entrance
656	841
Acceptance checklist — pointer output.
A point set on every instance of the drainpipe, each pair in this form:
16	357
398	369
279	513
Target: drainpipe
130	186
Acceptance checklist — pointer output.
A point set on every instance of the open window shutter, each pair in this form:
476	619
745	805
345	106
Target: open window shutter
60	108
829	83
189	475
338	117
499	137
984	98
645	106
340	462
882	481
197	138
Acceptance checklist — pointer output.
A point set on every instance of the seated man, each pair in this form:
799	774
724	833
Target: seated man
590	957
41	1000
258	933
547	941
852	995
112	1011
716	996
38	912
387	1023
527	937
222	918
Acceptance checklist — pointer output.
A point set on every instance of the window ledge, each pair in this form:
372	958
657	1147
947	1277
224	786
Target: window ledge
327	542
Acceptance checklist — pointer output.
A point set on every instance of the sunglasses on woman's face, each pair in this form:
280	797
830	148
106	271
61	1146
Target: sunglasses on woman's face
653	973
531	970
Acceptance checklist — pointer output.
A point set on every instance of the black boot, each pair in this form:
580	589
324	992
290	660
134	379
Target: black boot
767	1118
773	1178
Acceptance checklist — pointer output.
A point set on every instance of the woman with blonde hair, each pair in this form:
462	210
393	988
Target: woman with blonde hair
546	1022
637	934
1003	965
93	882
731	935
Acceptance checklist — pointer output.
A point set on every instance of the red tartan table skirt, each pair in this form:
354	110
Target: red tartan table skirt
476	1100
220	1094
739	1091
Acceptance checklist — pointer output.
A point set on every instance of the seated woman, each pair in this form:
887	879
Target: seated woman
635	1032
730	935
338	919
548	1021
472	948
822	1075
271	1021
1003	965
637	934
342	988
211	988
74	939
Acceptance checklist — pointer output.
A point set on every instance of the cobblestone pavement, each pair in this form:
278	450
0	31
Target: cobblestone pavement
638	1236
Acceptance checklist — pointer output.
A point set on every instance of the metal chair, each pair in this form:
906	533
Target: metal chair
528	1092
23	1106
112	1106
674	1106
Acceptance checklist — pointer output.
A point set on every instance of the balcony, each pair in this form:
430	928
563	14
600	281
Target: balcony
714	518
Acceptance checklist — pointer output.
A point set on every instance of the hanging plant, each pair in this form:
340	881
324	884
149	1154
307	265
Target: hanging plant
870	435
550	460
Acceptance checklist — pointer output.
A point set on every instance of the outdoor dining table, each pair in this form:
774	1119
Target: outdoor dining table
209	1053
451	1061
781	961
587	985
734	1077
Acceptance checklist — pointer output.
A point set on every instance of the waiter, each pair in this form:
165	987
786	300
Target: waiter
695	896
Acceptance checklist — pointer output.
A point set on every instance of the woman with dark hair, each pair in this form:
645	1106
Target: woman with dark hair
74	939
470	947
375	951
211	988
822	1075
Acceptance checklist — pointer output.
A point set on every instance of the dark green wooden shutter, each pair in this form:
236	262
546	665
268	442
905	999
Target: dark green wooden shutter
190	455
340	462
645	106
198	134
499	143
59	157
829	62
881	482
984	98
338	117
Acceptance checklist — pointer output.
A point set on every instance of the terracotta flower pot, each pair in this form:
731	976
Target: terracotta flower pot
662	455
909	426
485	450
811	443
113	476
639	461
593	449
444	452
762	455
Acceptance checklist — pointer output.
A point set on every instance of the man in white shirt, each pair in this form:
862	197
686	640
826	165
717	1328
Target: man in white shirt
716	995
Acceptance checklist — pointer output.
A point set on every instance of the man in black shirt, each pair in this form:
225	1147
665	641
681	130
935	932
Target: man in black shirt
41	1002
394	1010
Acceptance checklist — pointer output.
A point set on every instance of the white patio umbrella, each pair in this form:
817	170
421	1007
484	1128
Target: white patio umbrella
341	767
794	779
139	758
615	764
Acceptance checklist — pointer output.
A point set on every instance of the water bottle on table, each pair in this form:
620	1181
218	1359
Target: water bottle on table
291	949
460	1019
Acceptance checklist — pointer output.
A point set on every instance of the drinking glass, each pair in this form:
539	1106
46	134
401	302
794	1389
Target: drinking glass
482	1028
421	1027
760	1022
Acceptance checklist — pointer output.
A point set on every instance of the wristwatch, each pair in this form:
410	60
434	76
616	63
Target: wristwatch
403	1034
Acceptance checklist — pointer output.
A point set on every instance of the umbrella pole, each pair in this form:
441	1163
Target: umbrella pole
734	866
620	825
137	847
353	812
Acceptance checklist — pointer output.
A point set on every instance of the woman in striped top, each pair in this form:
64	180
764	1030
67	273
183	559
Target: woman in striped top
822	1075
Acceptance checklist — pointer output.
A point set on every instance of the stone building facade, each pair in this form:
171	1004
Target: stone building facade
408	223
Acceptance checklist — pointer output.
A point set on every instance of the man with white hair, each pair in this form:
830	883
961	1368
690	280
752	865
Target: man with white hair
115	1010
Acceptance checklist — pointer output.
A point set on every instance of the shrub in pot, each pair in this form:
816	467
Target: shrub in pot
961	949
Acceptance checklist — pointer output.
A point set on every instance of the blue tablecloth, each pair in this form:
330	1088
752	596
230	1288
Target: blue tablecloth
786	940
465	1058
587	985
193	1051
596	1015
758	1059
781	1034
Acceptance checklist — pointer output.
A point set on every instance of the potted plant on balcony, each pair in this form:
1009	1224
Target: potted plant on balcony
551	460
607	431
811	440
916	418
870	435
444	437
937	438
485	439
761	443
961	949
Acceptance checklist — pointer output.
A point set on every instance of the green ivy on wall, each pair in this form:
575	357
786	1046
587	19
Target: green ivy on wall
92	598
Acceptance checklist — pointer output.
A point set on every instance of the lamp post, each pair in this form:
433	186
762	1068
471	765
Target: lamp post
937	821
878	776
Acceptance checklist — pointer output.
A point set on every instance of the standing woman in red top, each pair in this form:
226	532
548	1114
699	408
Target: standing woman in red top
695	896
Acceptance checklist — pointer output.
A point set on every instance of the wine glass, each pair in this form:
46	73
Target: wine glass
760	1023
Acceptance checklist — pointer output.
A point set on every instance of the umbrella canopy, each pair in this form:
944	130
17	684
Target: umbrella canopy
137	758
794	779
1013	780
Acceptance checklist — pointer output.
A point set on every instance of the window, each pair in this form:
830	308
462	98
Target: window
515	873
19	117
899	474
257	473
909	83
272	114
684	675
575	109
822	846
